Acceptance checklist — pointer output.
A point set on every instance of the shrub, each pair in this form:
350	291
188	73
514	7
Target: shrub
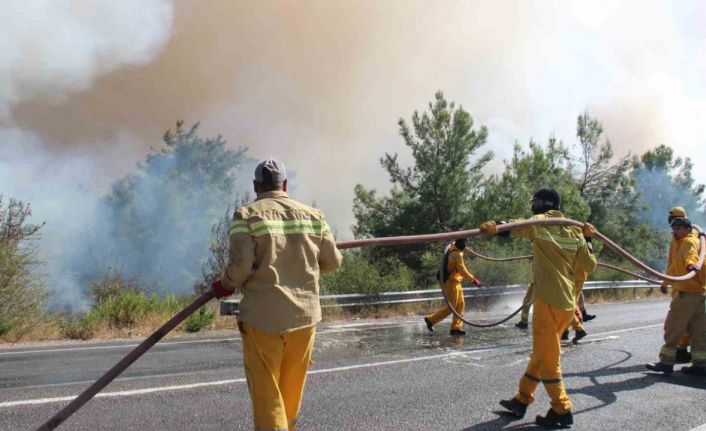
74	328
199	320
357	275
21	294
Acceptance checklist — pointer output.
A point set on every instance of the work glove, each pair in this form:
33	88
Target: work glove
489	228
663	287
588	230
221	292
476	282
692	267
578	314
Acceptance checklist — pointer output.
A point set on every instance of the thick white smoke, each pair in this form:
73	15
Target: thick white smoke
52	48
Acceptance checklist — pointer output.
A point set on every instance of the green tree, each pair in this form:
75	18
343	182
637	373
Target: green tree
508	195
436	193
21	294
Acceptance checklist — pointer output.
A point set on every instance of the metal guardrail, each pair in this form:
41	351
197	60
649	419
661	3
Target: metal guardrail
229	307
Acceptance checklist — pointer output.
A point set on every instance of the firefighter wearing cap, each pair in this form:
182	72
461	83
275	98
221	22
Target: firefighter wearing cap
683	355
454	273
686	311
558	250
278	249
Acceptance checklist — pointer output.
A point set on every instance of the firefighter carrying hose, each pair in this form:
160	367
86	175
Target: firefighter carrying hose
686	311
278	248
683	355
453	273
558	251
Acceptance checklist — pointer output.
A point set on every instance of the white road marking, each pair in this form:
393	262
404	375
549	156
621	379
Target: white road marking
637	328
241	380
357	325
699	428
114	346
230	381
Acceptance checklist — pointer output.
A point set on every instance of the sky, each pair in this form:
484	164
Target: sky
87	88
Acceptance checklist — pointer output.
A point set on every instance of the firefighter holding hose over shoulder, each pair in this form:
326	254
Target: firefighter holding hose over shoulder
558	251
686	311
278	249
683	355
453	272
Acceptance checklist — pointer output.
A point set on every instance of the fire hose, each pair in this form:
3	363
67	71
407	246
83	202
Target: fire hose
529	256
143	347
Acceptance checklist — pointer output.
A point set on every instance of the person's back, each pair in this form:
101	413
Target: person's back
278	249
291	250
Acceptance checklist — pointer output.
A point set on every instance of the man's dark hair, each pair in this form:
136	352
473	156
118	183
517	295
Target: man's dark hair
267	184
545	199
681	221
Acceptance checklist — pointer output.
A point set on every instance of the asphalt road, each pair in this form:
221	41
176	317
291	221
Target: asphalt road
369	375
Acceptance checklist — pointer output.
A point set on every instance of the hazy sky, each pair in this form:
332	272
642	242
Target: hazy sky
321	84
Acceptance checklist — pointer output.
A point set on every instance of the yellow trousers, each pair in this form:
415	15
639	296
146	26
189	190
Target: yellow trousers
548	323
686	313
576	324
684	340
454	292
275	368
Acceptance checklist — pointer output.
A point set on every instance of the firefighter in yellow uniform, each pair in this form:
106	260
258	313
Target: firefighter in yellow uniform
278	248
683	355
455	272
686	311
558	251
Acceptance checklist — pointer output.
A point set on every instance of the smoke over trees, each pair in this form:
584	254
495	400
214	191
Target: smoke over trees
156	224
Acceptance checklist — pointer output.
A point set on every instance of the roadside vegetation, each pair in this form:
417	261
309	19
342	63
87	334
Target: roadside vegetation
171	236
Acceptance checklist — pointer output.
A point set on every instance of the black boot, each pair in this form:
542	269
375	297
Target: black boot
660	367
683	356
586	316
579	335
694	371
429	324
554	420
521	324
565	336
457	332
515	406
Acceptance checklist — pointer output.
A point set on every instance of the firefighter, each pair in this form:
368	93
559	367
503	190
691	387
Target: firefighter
278	249
683	355
454	273
558	250
686	311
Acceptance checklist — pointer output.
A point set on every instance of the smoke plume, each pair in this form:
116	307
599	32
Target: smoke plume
321	84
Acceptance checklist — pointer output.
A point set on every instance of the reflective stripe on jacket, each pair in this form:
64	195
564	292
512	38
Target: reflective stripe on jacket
558	252
278	249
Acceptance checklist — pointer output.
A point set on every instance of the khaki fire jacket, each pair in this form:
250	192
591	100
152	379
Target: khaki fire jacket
558	252
278	249
682	253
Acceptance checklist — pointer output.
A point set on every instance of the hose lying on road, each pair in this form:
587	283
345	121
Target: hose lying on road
136	353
